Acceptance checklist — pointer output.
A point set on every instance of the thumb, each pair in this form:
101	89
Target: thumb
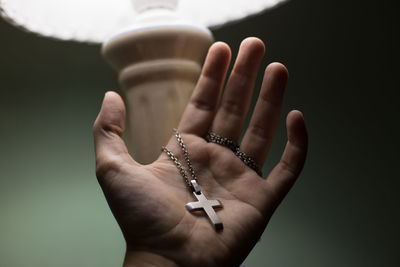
108	128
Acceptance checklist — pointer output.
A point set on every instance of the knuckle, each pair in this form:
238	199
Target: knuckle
105	167
95	127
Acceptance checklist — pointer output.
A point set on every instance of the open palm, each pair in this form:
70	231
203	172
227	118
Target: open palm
148	201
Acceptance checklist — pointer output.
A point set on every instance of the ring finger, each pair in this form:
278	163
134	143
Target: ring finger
258	137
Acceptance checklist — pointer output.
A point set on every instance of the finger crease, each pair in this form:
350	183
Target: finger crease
232	107
260	132
202	105
286	166
268	100
112	129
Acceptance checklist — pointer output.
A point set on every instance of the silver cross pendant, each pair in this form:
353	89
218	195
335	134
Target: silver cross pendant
206	205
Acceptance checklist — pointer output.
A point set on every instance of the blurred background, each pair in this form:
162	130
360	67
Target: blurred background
344	210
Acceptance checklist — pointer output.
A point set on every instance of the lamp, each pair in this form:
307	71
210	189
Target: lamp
157	47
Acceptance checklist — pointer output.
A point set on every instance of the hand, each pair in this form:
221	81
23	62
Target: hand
148	201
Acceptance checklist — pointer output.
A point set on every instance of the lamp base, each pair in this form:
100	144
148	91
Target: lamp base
158	69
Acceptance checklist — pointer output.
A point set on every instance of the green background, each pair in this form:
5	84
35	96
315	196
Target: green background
343	59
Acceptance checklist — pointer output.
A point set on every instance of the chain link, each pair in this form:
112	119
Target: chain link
178	164
224	141
249	161
211	137
185	153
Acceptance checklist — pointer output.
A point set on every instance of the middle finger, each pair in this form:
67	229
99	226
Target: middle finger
230	117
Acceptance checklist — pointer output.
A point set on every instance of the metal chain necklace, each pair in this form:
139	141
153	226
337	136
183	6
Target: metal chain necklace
202	203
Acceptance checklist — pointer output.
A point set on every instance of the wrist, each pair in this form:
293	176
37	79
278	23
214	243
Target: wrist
146	259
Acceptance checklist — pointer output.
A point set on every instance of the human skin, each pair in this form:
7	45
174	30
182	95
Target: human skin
148	201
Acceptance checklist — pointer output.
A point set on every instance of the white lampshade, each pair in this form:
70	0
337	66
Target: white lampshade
95	20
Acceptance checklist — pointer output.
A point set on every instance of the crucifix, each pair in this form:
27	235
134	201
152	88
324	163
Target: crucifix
206	205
